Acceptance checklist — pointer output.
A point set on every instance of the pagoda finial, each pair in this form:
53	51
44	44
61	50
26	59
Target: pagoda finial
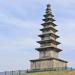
48	9
48	5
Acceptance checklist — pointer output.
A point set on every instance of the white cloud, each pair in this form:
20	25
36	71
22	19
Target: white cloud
17	22
65	3
67	27
17	44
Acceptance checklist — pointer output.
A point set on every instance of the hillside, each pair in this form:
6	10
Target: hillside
52	73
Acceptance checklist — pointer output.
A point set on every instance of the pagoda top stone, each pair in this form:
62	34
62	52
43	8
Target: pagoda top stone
48	13
48	5
48	9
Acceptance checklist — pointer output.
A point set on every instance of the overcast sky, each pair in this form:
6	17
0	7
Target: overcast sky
19	26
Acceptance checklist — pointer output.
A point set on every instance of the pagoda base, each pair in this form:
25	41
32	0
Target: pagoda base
48	63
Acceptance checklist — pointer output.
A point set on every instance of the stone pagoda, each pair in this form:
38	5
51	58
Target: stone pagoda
48	50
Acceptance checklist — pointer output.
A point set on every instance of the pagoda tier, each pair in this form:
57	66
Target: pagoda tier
49	59
48	14
48	41
48	19
48	34
49	28
48	48
48	23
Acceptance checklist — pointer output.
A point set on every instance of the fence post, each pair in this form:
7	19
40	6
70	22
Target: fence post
27	71
5	72
19	72
11	72
71	69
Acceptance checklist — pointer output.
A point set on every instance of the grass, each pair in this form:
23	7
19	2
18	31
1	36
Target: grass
52	73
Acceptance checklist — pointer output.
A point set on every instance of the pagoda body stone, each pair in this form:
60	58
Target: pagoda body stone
48	50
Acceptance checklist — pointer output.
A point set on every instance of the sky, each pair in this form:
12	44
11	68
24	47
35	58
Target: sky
20	21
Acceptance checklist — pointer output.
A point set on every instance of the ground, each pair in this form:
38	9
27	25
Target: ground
52	73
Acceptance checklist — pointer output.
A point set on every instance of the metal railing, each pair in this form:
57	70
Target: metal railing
20	72
51	69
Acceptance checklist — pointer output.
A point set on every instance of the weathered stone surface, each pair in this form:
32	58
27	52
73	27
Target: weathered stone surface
48	51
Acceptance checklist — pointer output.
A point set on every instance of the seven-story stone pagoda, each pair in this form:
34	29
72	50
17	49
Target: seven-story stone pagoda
48	51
